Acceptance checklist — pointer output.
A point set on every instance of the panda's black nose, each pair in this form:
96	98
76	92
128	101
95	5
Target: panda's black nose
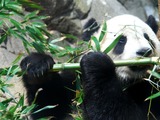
145	52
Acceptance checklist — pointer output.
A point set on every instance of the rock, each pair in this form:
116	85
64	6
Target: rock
141	8
65	15
105	9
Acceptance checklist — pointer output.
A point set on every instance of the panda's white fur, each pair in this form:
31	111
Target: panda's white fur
133	28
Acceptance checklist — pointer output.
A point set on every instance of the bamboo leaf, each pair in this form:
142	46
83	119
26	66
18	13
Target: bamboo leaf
155	74
4	104
5	15
57	40
38	24
16	24
35	33
13	70
28	109
20	103
38	33
14	5
45	31
153	96
3	38
17	59
11	110
25	44
39	47
112	45
55	47
30	4
71	36
11	32
44	108
31	15
96	42
6	90
42	17
1	23
103	32
2	3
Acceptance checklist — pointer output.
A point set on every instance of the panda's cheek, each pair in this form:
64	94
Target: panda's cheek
157	50
123	72
130	54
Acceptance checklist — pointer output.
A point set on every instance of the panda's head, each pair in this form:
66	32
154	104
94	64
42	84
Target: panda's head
138	39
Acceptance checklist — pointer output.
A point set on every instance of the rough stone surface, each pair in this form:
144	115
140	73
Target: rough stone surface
65	15
141	8
105	9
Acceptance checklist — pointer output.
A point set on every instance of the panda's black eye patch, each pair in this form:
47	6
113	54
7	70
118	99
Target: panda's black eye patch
146	36
122	40
149	40
119	48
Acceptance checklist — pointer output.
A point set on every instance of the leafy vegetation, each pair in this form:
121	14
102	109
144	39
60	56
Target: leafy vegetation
26	27
29	28
33	33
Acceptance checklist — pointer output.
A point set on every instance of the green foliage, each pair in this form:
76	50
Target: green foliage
15	22
112	45
97	41
29	28
24	26
17	111
153	96
30	3
103	32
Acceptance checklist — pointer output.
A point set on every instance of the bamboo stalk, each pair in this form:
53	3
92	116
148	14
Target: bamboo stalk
76	66
118	63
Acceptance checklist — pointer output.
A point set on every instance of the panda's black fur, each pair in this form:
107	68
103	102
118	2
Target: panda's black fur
89	29
104	94
49	84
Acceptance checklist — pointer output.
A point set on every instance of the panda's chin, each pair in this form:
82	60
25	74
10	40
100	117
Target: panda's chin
132	74
139	69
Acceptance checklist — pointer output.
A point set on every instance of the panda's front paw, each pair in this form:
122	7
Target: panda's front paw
94	62
36	65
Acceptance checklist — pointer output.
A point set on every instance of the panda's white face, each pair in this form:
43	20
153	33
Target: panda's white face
138	40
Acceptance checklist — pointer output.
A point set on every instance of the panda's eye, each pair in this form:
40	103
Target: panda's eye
146	36
122	40
119	48
149	40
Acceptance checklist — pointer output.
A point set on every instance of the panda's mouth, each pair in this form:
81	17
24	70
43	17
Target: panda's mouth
140	68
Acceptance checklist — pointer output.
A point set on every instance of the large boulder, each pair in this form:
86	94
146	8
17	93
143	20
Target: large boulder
105	9
64	15
141	8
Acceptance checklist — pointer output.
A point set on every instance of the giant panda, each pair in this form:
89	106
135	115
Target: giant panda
110	93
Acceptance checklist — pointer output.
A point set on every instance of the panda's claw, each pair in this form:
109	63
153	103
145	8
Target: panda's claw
37	64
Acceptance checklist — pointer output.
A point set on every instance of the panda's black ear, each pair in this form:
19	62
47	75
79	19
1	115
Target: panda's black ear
89	29
152	23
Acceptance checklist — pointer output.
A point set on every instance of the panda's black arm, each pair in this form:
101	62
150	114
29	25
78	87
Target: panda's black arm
37	76
103	96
